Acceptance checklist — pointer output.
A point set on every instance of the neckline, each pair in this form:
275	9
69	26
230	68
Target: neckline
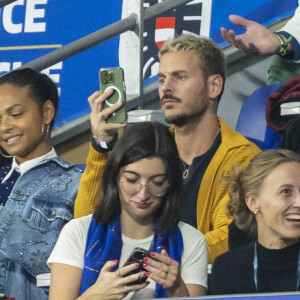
257	260
277	256
137	241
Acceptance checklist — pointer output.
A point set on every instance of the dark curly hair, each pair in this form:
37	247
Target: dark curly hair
40	87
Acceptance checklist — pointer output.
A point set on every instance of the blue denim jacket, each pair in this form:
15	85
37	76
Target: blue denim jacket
41	202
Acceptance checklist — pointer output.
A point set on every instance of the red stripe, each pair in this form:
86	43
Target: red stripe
159	44
166	22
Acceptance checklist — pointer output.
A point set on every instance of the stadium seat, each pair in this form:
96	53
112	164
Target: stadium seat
81	166
252	120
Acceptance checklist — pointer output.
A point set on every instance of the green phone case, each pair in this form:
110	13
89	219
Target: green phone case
114	78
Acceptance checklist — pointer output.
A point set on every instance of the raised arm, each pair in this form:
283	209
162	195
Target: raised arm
89	188
257	39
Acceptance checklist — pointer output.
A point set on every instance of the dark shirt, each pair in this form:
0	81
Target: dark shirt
238	237
291	137
191	184
232	272
4	161
7	186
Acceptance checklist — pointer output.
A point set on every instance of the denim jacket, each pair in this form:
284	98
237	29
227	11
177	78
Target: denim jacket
41	202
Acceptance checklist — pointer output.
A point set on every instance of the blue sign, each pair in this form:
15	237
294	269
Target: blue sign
32	28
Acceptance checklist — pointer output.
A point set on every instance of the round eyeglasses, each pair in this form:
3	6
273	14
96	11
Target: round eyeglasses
156	188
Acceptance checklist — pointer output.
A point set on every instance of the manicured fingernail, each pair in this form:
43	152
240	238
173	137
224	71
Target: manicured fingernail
145	265
137	265
115	261
147	273
145	259
152	253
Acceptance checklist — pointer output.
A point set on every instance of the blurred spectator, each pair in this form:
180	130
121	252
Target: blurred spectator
265	201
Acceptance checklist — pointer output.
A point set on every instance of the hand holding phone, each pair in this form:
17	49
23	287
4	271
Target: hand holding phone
113	78
137	256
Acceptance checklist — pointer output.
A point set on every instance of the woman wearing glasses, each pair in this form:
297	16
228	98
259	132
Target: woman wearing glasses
140	204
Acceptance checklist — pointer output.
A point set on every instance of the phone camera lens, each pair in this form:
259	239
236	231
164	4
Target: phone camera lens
139	256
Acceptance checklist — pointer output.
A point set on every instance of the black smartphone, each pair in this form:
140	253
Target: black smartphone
113	78
137	256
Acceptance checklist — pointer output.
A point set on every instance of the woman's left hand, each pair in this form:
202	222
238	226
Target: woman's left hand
165	271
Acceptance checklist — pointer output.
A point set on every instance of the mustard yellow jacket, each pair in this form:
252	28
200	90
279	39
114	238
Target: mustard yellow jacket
212	197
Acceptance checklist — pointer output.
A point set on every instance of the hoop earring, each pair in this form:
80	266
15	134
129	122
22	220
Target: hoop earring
6	156
47	131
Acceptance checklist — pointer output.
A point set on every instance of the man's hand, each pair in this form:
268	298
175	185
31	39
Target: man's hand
257	40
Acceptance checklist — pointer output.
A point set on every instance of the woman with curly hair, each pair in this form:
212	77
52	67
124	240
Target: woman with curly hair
265	200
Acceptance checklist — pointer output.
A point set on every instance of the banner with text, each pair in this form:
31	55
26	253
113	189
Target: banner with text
32	28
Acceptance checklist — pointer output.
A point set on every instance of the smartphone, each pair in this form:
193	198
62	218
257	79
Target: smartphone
137	256
113	78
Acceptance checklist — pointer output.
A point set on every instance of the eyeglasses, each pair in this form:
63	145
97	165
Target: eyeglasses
156	187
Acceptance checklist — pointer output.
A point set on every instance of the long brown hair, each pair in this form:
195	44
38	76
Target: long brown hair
139	141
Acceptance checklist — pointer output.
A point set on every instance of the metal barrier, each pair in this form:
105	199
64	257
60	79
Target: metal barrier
132	23
5	2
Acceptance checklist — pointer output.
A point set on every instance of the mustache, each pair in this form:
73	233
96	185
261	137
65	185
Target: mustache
169	96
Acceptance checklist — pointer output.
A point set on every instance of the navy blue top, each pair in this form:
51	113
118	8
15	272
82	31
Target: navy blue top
6	187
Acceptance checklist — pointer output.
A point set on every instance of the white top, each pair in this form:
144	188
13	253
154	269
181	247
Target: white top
70	247
29	164
293	25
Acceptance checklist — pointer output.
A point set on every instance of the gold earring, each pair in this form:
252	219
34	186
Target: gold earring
6	156
255	212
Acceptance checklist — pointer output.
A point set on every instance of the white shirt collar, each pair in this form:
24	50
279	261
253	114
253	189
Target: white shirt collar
27	165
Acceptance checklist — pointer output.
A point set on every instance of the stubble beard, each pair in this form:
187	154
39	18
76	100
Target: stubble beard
178	120
192	114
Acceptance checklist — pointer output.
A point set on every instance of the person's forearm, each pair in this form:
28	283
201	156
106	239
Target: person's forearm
89	187
87	295
180	290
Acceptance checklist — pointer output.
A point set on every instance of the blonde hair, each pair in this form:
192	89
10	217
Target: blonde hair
248	180
211	58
